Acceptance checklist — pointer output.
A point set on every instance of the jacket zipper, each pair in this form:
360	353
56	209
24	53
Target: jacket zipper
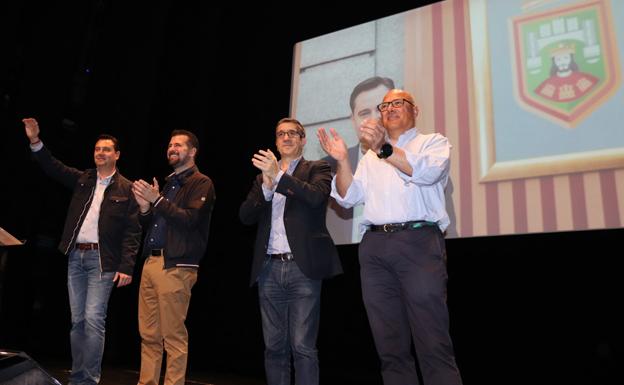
71	241
98	229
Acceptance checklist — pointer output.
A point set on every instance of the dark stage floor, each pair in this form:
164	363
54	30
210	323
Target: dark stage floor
124	376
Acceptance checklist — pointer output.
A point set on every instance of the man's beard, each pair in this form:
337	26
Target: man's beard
177	162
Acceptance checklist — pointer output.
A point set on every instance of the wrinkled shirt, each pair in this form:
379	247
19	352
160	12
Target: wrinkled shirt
278	242
391	196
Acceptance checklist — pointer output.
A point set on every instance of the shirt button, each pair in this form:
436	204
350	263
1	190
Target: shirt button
156	225
151	239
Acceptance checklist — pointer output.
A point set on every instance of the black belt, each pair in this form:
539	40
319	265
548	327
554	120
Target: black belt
394	227
86	246
284	257
157	253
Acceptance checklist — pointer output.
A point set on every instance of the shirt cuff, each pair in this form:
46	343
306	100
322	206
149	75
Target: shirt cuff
351	198
37	146
278	177
268	193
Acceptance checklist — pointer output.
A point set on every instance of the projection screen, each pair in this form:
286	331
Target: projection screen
528	92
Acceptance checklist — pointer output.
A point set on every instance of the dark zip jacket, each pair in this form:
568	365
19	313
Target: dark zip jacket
119	230
188	220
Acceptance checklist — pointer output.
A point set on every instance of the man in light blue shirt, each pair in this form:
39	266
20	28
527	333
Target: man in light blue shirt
401	182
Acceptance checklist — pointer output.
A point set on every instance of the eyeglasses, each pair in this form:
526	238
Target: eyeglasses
290	133
396	103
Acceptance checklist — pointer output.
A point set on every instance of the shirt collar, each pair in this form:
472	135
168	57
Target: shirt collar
292	165
105	181
407	136
183	176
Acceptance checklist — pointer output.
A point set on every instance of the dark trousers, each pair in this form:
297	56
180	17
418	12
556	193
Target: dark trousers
404	290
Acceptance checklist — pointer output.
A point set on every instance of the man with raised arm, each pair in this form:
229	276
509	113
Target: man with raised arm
101	239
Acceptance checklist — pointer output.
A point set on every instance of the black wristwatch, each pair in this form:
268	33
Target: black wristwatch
385	151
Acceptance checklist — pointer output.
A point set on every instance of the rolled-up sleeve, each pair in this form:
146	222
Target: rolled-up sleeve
355	193
429	165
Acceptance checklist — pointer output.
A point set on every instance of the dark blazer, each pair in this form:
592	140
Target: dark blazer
306	191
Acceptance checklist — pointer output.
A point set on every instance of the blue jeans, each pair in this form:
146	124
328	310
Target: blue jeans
290	305
89	291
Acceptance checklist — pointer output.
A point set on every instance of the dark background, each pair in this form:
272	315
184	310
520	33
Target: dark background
541	308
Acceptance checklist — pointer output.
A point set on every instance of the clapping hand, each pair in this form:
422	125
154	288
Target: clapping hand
372	134
266	162
333	145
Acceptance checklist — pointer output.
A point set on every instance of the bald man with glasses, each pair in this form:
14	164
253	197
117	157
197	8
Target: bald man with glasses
401	182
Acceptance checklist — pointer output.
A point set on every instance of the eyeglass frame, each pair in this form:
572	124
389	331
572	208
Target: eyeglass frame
290	133
391	103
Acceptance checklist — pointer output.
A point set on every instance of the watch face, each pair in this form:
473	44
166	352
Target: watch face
386	150
380	154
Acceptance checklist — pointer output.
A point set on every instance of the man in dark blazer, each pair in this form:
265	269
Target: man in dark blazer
293	252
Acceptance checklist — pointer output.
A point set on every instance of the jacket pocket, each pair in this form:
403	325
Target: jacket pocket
117	206
118	199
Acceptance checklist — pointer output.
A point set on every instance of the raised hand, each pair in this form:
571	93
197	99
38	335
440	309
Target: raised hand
144	193
155	185
144	205
333	145
32	129
266	162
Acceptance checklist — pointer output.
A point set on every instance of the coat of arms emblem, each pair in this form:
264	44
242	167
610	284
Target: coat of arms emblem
565	60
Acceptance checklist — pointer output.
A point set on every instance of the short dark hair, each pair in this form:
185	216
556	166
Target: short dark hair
369	84
111	138
192	139
297	123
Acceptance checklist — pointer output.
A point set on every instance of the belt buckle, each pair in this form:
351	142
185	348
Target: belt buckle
391	227
86	246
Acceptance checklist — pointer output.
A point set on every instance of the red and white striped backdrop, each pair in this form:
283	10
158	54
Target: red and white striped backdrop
439	72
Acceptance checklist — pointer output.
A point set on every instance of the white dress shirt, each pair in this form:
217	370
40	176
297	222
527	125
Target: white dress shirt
89	230
391	196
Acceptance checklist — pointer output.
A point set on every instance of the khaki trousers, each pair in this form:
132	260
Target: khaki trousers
164	297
